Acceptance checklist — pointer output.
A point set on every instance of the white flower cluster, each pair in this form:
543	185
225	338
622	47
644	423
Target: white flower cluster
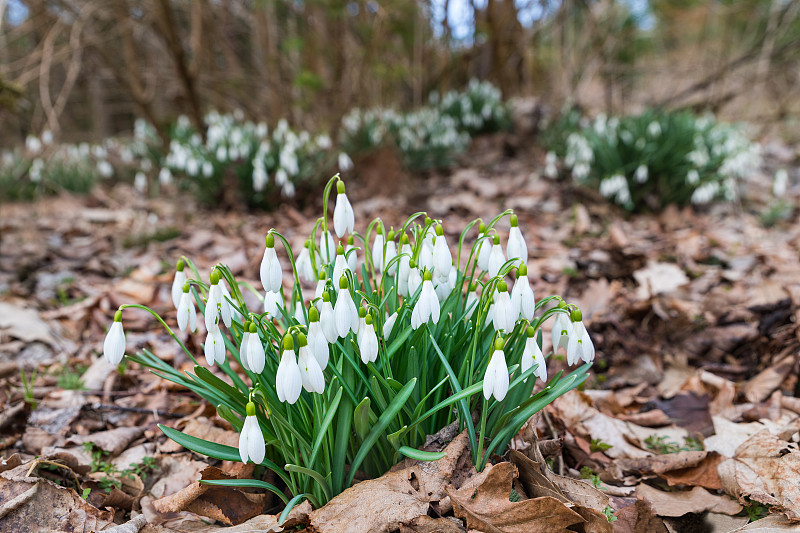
478	108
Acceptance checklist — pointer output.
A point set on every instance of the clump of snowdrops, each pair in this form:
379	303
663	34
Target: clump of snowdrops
648	161
397	339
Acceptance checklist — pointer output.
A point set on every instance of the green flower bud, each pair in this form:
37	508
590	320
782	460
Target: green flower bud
301	340
530	332
562	304
576	315
340	187
428	220
288	343
118	316
482	227
522	270
214	277
343	284
473	286
313	314
186	287
253	328
404	239
179	265
502	286
270	240
322	275
378	229
514	221
496	239
339	249
439	230
350	240
368	320
412	263
427	276
251	409
390	237
499	344
362	312
326	297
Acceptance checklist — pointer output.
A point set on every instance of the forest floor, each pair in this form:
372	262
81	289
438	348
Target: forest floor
689	422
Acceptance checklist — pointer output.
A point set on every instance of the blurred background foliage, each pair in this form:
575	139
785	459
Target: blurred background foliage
86	69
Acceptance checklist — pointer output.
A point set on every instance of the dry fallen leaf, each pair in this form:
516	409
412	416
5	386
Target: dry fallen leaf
659	464
761	386
659	278
704	474
697	500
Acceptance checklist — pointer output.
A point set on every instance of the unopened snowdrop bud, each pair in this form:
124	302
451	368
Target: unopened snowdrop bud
304	267
187	316
427	307
532	355
504	317
516	247
351	254
271	271
414	279
288	381
579	346
114	344
316	339
562	329
327	319
391	253
310	372
340	265
343	216
256	358
214	348
178	283
273	303
495	381
522	299
368	342
496	258
404	269
388	325
472	300
327	247
251	440
442	258
345	310
485	244
243	346
377	249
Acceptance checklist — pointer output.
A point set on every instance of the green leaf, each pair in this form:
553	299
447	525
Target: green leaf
420	455
225	412
316	476
292	503
323	427
361	418
247	483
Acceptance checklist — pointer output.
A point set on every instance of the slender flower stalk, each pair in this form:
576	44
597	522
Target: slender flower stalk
114	343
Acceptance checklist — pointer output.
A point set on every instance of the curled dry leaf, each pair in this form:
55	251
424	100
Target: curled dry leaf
697	500
659	464
761	386
113	441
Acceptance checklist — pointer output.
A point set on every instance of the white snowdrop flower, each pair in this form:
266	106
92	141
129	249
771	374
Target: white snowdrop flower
345	310
693	177
222	154
273	303
243	345
251	440
388	325
343	216
288	380
345	163
316	338
214	348
532	354
427	306
496	258
192	167
320	288
178	283
641	173
310	372
368	342
780	182
140	182
260	178
377	249
304	267
495	380
391	253
164	176
114	343
425	261
654	129
562	329
579	346
47	137
705	193
299	313
208	169
33	144
217	307
271	271
327	247
340	266
442	258
485	244
228	309
522	298
404	268
362	323
472	303
516	246
414	279
504	317
327	319
105	169
187	316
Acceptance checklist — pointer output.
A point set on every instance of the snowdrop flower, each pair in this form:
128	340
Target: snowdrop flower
140	182
495	380
391	253
444	287
414	279
780	181
641	173
316	339
310	372
345	163
377	249
256	358
362	323
321	282
214	347
351	256
327	247
368	342
504	317
187	316
579	346
442	258
114	343
472	300
496	257
33	144
562	330
273	303
165	176
271	271
485	244
217	305
427	306
304	267
550	168
404	268
288	380
340	266
388	325
345	310
516	247
522	299
532	354
178	283
327	319
243	346
343	216
251	440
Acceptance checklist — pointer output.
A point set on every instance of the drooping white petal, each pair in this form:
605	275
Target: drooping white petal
391	253
504	317
327	320
579	346
339	268
388	325
368	345
318	293
212	306
425	256
343	312
114	344
352	257
187	317
243	447
343	216
304	268
377	252
404	269
273	303
227	310
522	299
471	305
442	258
214	348
288	382
256	358
485	243
495	381
531	355
414	281
327	247
310	372
243	350
318	344
256	448
516	247
271	271
427	306
496	260
177	287
562	329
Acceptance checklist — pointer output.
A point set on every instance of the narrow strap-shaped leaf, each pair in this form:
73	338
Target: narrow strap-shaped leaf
420	455
255	483
292	503
323	427
316	476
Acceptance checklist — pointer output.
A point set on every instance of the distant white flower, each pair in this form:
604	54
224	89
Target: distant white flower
33	144
495	380
114	343
187	316
780	182
532	354
140	182
251	440
522	298
368	343
641	174
164	176
288	380
177	284
343	216
310	372
427	306
562	328
214	348
271	271
304	267
377	249
345	163
496	258
579	346
516	246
